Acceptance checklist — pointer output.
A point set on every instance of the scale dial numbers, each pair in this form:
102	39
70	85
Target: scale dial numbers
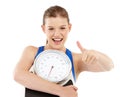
52	65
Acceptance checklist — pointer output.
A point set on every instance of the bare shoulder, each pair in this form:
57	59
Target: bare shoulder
27	57
29	52
76	56
30	49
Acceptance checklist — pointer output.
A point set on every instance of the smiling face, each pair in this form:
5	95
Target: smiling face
56	30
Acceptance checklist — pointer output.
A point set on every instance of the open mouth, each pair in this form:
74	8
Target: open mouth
57	40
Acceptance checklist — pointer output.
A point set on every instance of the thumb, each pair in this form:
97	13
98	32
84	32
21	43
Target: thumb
80	46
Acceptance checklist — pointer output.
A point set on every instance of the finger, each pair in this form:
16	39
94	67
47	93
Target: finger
75	88
89	59
85	56
93	60
80	46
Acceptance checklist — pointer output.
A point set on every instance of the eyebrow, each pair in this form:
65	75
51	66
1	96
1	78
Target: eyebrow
61	25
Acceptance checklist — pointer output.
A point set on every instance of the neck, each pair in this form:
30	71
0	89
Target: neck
47	46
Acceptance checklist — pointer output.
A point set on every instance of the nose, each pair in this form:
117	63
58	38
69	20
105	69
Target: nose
56	33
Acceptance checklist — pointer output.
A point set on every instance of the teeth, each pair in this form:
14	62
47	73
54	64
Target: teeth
57	39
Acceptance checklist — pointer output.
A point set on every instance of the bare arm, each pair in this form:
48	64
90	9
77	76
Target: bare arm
24	77
95	61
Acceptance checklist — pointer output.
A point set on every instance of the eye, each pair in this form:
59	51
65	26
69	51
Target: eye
62	28
51	29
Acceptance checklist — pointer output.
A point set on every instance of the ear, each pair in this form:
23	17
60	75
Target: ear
70	26
43	28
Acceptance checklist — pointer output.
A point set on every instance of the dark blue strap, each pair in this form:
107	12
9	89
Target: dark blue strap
40	49
69	54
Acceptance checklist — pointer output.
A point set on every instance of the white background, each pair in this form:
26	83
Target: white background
96	24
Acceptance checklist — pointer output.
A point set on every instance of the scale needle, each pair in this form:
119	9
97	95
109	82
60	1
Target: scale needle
50	70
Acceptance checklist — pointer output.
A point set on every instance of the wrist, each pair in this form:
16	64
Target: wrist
59	91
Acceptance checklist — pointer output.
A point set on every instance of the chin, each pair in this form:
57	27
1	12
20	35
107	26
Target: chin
56	46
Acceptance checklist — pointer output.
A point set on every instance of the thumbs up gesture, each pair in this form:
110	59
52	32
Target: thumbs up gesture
88	56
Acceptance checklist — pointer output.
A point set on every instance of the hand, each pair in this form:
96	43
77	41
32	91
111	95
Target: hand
88	56
69	91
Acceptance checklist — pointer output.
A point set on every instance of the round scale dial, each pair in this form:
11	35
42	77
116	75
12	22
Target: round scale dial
52	65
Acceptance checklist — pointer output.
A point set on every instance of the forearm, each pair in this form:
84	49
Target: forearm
34	82
104	61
